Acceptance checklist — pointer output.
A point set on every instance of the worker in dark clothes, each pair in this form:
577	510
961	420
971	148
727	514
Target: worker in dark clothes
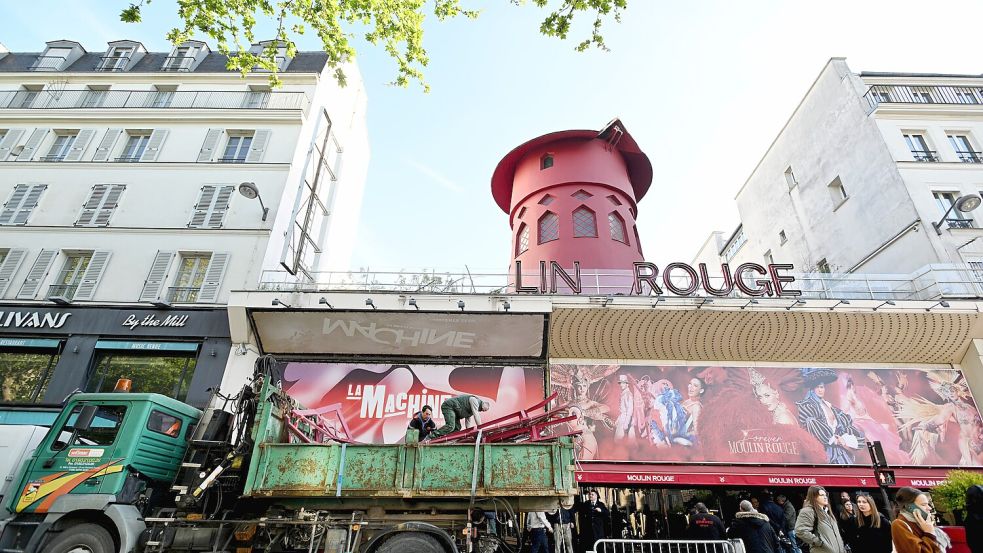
460	408
704	526
423	422
595	518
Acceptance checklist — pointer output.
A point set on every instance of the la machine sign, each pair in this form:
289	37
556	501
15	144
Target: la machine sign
681	279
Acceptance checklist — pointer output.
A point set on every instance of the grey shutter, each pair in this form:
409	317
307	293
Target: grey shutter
216	212
13	204
79	145
9	267
9	141
211	142
258	145
213	278
157	277
31	146
105	147
200	215
91	205
92	275
29	290
109	203
154	145
29	203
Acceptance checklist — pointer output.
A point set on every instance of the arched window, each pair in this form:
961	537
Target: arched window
522	244
584	223
581	194
617	224
549	227
546	161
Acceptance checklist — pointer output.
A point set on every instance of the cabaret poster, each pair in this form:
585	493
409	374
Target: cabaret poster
378	400
771	415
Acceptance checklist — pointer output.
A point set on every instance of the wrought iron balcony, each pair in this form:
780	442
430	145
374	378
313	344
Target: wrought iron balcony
48	63
970	157
959	223
66	291
924	94
928	156
183	294
114	63
152	99
178	63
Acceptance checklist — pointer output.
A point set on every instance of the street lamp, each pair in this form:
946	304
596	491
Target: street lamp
249	190
964	204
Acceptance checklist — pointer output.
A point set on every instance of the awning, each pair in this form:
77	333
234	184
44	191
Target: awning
742	475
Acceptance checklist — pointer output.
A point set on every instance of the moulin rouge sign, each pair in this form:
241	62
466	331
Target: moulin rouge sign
750	279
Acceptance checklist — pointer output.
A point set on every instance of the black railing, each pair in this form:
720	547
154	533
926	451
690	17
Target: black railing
970	157
959	223
929	156
66	291
136	99
182	294
114	63
178	63
48	63
924	94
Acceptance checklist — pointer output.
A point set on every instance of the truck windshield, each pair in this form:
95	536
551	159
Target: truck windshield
105	425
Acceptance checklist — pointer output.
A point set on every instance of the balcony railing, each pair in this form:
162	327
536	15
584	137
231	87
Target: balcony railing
183	294
48	63
931	94
178	63
959	223
114	63
928	156
66	291
151	99
970	157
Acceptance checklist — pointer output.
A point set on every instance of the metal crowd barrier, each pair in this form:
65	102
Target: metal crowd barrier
668	546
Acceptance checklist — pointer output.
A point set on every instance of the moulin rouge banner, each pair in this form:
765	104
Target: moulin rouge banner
771	414
378	400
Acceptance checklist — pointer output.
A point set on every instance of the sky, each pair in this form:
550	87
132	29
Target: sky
703	86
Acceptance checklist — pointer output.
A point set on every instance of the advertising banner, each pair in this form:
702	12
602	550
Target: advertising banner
921	417
378	400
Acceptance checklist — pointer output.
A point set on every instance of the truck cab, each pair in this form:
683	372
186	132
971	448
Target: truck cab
107	458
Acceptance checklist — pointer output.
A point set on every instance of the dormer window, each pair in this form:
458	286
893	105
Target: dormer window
53	59
185	56
259	49
117	59
546	161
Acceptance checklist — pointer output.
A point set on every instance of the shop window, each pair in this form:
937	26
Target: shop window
102	431
549	227
167	375
584	223
617	226
163	423
24	376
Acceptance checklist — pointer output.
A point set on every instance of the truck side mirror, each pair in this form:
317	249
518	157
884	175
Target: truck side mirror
84	421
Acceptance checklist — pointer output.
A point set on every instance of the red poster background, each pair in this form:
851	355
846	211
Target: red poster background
755	415
378	400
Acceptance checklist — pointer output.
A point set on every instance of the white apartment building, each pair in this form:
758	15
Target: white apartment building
151	184
861	176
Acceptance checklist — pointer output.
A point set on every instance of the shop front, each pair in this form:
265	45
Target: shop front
47	353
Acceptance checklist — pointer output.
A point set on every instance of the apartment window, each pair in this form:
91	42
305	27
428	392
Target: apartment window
955	218
549	227
965	96
213	202
769	259
163	96
617	225
117	59
837	192
94	97
25	97
21	203
781	237
582	195
964	148
237	148
181	59
136	144
584	223
190	278
921	95
823	267
547	200
882	96
790	178
70	276
61	146
735	243
522	244
99	208
256	98
919	148
546	161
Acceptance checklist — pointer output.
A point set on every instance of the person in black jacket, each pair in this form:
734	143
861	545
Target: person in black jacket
974	519
423	422
704	526
754	529
871	531
594	521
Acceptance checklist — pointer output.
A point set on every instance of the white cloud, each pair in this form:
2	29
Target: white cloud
435	176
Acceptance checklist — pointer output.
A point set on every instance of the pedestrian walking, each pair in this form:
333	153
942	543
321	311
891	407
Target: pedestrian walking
872	531
705	526
816	525
974	519
465	408
537	526
562	530
914	531
848	519
754	529
423	422
789	523
594	521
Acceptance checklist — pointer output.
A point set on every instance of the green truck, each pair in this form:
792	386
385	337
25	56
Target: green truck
134	472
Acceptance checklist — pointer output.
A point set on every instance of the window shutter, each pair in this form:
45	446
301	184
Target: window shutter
9	141
216	213
99	208
79	145
31	146
158	275
92	275
200	215
213	278
22	202
105	147
109	203
260	139
13	204
154	144
29	290
9	267
91	206
211	142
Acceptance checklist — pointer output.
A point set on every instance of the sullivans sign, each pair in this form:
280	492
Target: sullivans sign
681	279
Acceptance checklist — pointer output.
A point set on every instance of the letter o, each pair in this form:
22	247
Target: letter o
693	278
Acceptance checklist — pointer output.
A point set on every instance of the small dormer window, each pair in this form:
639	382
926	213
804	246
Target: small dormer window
184	56
546	161
117	58
261	49
53	59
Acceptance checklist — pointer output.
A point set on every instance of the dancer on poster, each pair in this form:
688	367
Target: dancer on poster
828	424
693	404
873	416
669	426
771	399
624	427
929	420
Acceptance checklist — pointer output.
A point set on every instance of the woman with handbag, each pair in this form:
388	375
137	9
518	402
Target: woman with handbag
872	532
914	530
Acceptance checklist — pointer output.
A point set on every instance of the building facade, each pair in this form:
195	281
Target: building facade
861	176
136	180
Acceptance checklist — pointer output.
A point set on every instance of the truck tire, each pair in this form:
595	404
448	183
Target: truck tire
417	542
82	538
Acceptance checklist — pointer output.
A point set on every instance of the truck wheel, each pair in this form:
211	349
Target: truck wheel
416	542
82	538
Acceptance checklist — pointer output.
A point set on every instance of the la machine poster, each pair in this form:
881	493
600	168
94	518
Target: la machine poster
771	414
